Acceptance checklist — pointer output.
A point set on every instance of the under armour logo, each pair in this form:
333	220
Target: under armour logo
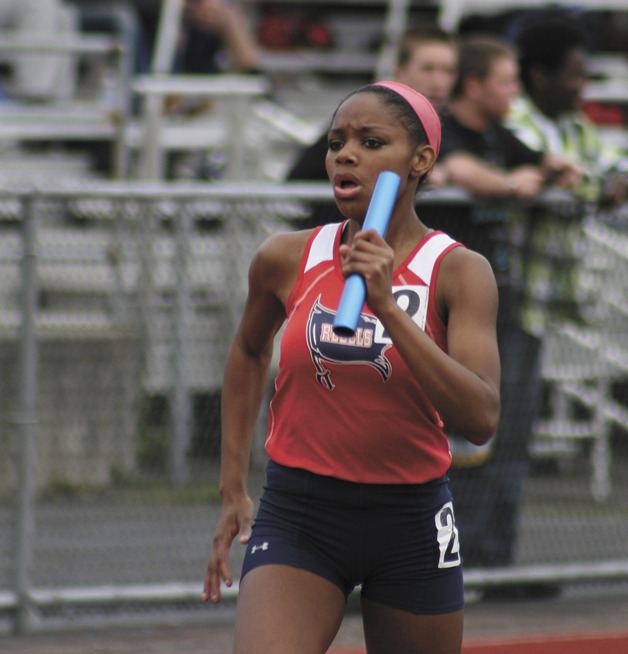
263	547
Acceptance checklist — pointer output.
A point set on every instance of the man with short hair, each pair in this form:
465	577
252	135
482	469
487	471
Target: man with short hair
427	60
478	152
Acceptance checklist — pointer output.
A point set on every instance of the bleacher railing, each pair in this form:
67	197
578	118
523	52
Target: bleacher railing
73	119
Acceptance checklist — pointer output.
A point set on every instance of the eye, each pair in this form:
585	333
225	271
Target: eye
334	145
372	143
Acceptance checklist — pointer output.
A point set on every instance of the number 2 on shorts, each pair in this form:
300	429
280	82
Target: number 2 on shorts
447	536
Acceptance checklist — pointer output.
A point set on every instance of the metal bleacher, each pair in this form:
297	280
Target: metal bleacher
99	116
583	363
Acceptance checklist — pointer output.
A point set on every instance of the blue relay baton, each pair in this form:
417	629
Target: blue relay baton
377	218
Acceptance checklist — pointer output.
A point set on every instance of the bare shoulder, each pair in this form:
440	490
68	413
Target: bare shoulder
461	260
277	260
282	249
465	273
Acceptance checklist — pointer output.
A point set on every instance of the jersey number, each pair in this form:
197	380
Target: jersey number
413	300
447	536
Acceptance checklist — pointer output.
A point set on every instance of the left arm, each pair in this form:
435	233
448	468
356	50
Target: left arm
463	384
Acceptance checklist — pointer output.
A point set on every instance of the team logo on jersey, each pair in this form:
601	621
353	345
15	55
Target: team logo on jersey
362	348
370	341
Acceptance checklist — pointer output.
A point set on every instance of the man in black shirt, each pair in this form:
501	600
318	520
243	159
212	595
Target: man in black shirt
478	152
496	145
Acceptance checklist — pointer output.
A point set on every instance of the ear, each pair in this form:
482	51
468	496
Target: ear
473	87
422	161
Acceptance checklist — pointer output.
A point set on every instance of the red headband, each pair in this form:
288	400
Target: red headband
422	107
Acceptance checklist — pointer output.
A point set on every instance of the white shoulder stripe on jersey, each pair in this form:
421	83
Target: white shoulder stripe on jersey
322	246
422	264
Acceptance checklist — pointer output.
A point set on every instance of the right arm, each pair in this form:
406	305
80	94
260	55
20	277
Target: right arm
521	174
272	273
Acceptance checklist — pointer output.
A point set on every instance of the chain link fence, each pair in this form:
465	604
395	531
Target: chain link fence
117	306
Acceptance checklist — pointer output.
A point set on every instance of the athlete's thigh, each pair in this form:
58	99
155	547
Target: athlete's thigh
388	629
283	610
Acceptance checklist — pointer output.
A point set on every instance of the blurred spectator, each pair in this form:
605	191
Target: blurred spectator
39	76
553	56
212	37
427	61
478	152
215	37
553	63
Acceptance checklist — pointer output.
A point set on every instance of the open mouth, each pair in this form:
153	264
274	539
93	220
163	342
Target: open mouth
346	189
346	186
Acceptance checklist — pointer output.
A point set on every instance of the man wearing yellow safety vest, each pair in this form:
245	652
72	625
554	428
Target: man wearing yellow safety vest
553	69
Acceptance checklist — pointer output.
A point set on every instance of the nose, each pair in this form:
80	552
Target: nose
346	154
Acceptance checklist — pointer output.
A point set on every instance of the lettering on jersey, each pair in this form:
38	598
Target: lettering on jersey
361	348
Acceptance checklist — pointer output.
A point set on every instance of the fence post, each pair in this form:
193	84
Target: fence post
180	394
122	110
236	159
25	421
151	160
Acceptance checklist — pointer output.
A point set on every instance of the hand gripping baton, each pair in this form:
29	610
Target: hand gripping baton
377	218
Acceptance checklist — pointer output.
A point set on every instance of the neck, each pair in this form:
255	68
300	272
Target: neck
404	232
404	238
469	114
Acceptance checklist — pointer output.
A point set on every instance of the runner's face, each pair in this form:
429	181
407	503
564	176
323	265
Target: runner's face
365	139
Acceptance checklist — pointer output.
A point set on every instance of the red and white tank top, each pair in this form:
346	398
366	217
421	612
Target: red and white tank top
350	407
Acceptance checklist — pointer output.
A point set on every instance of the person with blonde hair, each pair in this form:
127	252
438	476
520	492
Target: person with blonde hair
427	60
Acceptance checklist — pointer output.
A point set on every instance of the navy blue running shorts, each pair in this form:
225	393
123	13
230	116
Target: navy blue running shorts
398	542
